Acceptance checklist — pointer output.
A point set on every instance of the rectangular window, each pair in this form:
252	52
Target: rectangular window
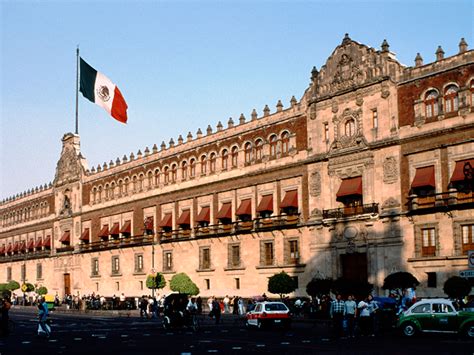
39	271
141	285
207	283
268	258
117	286
97	286
375	119
23	273
167	260
237	283
115	265
467	238
138	262
234	255
205	258
95	267
431	279
9	273
428	242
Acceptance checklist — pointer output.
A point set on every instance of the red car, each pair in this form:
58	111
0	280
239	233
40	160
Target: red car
269	314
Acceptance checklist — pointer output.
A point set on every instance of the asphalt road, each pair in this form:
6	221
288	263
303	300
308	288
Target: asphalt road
99	334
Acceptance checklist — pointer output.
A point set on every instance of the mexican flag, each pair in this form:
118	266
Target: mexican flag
96	87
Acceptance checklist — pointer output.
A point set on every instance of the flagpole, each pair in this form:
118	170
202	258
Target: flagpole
77	90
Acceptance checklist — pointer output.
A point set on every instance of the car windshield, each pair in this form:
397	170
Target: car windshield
275	307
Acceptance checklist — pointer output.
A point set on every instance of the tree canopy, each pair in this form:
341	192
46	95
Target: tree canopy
13	285
319	287
183	284
457	287
346	287
42	290
400	280
281	284
155	281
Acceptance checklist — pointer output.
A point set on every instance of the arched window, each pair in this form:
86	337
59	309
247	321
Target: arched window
150	179
120	188
285	143
94	195
141	177
174	173
273	145
212	163
225	159
106	191
112	191
349	128
451	99
184	170
431	103
258	149
157	177
99	194
248	152
135	183
126	183
235	156
472	93
192	167
203	165
166	173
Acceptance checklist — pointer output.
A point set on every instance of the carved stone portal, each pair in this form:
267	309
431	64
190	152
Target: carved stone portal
390	170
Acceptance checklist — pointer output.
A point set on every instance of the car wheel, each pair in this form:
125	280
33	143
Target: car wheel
409	329
469	330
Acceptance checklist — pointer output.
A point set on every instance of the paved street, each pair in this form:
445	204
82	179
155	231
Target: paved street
100	334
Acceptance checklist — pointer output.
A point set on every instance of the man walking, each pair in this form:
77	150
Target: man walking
350	310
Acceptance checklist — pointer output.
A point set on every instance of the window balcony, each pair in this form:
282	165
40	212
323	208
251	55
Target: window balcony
440	202
345	212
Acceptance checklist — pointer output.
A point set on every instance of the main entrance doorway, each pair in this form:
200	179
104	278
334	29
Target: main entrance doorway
354	267
67	284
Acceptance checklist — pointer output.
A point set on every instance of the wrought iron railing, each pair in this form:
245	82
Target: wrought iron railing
372	208
444	200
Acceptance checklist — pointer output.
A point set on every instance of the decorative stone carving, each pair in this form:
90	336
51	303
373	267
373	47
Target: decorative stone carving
385	92
390	203
315	184
343	141
334	106
350	233
316	213
390	170
359	100
69	168
350	165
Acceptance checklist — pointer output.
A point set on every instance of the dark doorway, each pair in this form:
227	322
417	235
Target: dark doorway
354	267
67	284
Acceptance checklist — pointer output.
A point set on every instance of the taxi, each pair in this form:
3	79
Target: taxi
436	316
268	314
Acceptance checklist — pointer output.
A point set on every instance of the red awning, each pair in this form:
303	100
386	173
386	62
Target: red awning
9	248
225	211
350	187
266	204
424	177
16	246
66	238
127	228
23	245
85	235
204	215
115	230
166	221
2	249
104	232
185	218
149	223
47	242
290	199
31	244
39	243
459	173
245	208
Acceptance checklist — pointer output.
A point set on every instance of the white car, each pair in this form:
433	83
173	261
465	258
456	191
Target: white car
269	314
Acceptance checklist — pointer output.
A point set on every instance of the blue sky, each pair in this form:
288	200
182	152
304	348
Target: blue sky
180	65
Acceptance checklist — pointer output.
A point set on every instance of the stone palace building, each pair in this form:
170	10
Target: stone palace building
369	173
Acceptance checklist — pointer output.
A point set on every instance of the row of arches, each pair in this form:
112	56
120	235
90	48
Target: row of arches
206	164
37	210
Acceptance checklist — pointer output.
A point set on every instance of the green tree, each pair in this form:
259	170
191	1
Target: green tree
155	281
456	287
281	284
360	289
4	291
398	281
13	285
319	287
183	284
42	290
30	287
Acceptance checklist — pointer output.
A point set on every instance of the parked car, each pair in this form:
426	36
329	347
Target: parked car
436	315
269	314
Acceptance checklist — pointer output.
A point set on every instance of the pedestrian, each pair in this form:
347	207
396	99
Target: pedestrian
4	311
122	301
43	326
216	310
337	312
226	304
350	314
209	304
199	304
373	310
364	317
241	306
